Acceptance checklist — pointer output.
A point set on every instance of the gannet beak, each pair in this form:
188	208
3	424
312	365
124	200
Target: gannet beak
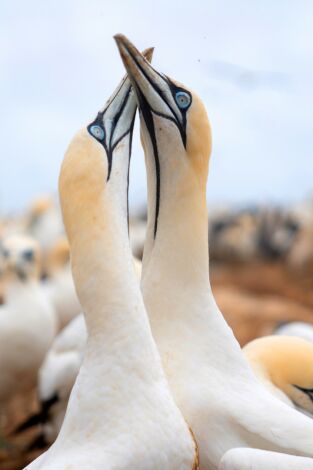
155	92
117	118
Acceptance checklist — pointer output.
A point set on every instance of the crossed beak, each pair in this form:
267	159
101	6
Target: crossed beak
155	92
117	117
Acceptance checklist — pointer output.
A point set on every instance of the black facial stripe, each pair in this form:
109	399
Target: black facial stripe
147	115
129	158
99	122
174	89
154	85
169	118
116	118
115	95
307	391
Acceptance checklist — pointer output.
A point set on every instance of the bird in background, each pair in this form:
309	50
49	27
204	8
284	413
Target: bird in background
58	285
27	320
284	364
56	378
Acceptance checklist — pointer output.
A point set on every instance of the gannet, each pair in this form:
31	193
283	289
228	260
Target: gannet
284	364
300	256
300	329
57	376
121	414
234	236
212	383
256	459
27	320
59	285
277	233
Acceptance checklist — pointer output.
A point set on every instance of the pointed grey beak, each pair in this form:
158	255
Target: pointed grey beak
156	95
151	87
117	117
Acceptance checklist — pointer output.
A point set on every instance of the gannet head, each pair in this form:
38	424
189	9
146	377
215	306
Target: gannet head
175	130
22	257
97	155
288	363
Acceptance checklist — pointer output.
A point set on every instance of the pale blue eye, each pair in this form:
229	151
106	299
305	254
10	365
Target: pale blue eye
97	132
183	100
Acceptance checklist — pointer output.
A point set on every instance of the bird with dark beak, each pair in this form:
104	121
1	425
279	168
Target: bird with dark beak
121	413
210	380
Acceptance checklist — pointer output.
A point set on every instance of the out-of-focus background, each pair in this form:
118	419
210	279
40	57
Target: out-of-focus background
252	64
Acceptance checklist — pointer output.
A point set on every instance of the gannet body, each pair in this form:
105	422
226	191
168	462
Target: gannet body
27	320
121	414
299	329
59	286
58	373
284	364
233	236
212	383
256	459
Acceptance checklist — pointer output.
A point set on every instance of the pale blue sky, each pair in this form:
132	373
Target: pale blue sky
251	61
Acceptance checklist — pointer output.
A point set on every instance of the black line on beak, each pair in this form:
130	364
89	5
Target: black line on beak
129	158
173	89
99	122
147	115
152	83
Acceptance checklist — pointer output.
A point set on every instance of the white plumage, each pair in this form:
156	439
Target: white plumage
299	329
212	383
59	371
27	320
59	285
121	414
256	459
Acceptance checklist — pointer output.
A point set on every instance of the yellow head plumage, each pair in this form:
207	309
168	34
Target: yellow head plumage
88	164
288	362
172	114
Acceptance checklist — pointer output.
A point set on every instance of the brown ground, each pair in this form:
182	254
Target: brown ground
13	455
255	298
